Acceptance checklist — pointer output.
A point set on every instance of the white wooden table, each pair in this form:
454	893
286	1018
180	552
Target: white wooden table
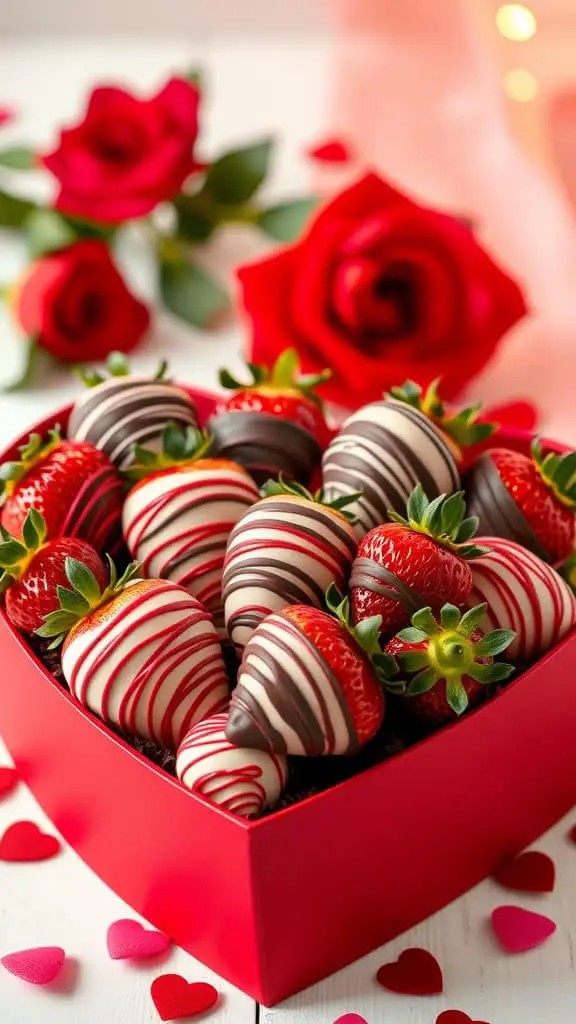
61	901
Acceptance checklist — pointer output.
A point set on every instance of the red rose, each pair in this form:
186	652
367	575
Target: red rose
381	289
127	155
74	304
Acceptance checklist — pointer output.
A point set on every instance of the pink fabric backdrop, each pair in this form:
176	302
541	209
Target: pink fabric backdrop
418	95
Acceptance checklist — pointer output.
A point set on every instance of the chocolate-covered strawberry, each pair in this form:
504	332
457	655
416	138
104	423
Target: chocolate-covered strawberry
308	683
409	563
527	499
125	409
142	654
286	549
33	569
275	423
179	514
74	486
384	449
446	664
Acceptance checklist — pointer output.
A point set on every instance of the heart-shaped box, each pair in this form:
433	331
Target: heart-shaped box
280	903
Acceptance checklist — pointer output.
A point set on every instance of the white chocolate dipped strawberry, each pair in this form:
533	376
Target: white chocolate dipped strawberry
384	449
141	654
242	781
179	515
287	549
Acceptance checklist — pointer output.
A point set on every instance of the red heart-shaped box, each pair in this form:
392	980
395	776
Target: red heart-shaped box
278	904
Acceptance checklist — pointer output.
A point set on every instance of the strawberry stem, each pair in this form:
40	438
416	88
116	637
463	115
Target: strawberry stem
366	634
118	366
16	554
180	446
83	597
558	473
442	519
274	488
462	427
31	453
284	375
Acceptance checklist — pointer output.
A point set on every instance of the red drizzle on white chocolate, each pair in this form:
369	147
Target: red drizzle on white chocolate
524	594
178	523
96	513
242	781
150	663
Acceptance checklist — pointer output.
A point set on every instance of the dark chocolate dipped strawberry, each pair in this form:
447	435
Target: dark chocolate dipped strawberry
33	571
527	499
309	683
74	486
274	424
446	664
124	409
412	562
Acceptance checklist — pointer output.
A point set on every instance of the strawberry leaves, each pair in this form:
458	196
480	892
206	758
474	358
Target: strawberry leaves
16	555
117	365
30	453
82	598
443	519
284	375
463	427
179	447
558	472
366	634
277	488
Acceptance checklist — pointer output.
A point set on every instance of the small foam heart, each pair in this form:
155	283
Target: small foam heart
518	930
8	780
457	1017
415	973
129	940
531	871
176	998
24	841
330	151
37	966
351	1018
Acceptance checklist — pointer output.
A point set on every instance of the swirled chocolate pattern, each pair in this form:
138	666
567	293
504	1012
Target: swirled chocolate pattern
384	450
123	411
178	524
266	445
284	550
524	594
242	781
148	662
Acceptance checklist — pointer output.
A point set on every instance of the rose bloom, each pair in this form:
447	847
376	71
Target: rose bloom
75	305
127	154
381	289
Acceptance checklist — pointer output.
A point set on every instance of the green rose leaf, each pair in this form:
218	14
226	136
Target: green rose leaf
191	294
285	222
18	158
235	177
47	232
13	210
193	225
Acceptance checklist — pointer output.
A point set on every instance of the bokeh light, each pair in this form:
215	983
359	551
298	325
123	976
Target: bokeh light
516	22
520	85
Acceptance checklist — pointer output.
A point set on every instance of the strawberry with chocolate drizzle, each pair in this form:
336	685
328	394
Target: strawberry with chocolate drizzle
409	563
275	423
446	664
72	485
527	499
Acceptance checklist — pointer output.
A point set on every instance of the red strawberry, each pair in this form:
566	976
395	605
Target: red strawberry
446	665
308	683
410	563
529	500
461	430
34	569
280	391
55	476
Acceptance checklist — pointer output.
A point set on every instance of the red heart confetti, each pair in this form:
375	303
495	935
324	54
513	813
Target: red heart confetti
37	966
8	776
176	998
330	151
24	841
457	1017
518	930
129	940
572	834
415	973
351	1018
531	871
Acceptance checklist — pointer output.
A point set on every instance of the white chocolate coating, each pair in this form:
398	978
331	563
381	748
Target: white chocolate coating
384	450
243	781
283	551
178	523
524	594
149	662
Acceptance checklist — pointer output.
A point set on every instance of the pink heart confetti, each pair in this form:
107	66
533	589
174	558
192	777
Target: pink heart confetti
37	966
330	151
7	114
351	1018
129	940
518	930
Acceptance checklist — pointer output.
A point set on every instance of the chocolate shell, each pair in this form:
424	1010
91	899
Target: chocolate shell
384	450
490	500
122	411
266	445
